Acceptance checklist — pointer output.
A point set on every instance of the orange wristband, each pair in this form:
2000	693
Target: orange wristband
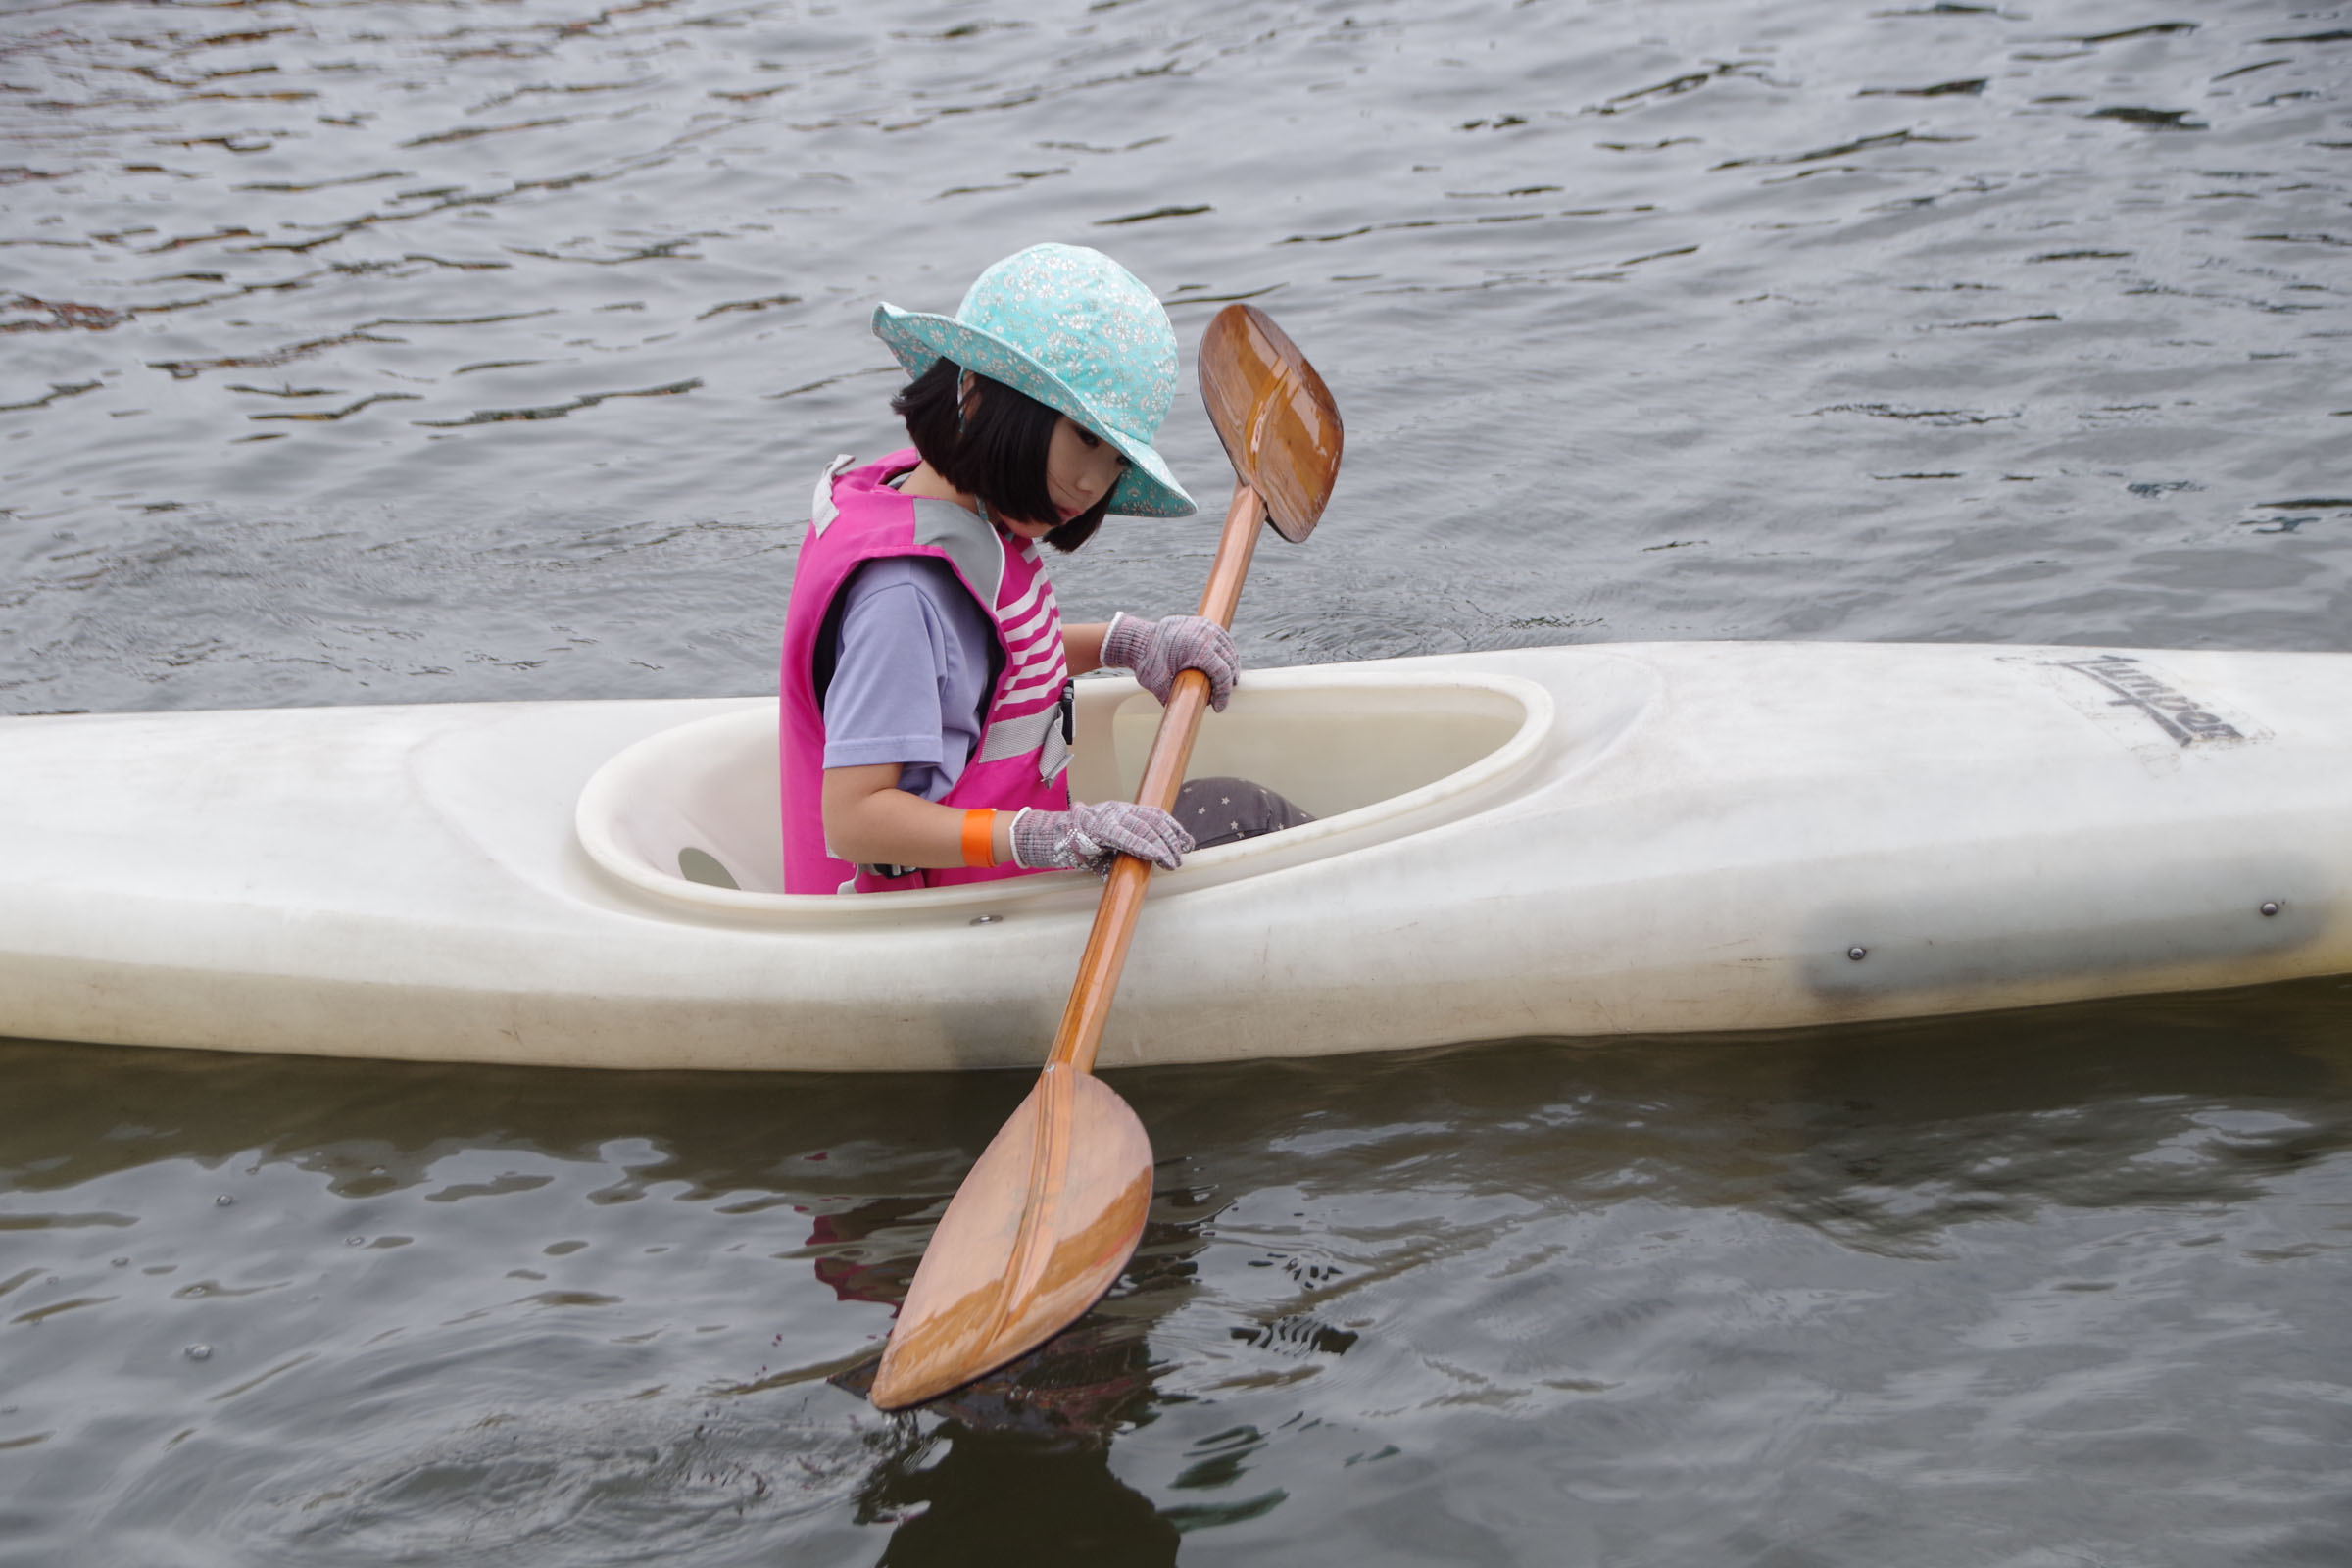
980	838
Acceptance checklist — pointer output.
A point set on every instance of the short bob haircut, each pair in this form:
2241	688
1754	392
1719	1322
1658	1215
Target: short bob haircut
998	454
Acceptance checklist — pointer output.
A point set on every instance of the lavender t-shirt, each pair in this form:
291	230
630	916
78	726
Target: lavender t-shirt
912	672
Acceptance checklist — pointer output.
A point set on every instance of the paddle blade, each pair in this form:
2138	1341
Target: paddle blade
1032	1239
1275	416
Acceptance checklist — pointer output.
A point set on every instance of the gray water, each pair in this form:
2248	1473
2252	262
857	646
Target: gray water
487	349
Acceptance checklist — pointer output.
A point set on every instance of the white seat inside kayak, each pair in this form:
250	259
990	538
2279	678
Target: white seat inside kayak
692	814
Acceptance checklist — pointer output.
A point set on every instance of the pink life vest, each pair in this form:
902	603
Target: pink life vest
1023	753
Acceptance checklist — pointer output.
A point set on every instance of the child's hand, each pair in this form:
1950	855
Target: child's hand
1090	837
1155	650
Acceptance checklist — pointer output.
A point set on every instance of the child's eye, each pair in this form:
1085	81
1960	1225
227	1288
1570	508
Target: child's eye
1091	439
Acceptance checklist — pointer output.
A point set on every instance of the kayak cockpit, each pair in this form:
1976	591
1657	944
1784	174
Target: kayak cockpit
690	815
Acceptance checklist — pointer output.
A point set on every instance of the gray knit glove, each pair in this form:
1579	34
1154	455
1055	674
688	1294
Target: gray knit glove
1155	650
1091	837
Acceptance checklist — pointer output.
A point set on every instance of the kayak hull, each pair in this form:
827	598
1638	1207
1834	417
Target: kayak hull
1561	842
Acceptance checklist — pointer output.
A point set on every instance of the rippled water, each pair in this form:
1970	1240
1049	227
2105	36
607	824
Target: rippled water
481	349
2059	1289
466	350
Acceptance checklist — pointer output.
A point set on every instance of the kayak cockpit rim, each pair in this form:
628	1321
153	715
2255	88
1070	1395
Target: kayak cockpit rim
1375	755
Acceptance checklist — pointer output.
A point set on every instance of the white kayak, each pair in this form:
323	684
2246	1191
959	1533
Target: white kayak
1561	842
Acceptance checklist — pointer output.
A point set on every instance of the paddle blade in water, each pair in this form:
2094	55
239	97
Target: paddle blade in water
1037	1232
1275	416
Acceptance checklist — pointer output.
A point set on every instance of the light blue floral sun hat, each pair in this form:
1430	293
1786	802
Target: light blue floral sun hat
1078	332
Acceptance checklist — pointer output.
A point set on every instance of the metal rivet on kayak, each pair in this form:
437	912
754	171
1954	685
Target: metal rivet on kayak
223	1200
2269	905
986	919
1857	953
198	1352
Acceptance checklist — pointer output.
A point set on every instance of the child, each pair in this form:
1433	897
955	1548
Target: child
925	689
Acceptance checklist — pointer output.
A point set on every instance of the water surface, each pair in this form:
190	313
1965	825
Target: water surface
2065	1285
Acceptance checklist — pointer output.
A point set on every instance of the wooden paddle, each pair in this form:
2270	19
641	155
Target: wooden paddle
1053	1208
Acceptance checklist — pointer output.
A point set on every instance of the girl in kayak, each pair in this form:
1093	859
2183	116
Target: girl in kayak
925	691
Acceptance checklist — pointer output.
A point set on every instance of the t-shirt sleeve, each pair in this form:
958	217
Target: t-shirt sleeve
890	665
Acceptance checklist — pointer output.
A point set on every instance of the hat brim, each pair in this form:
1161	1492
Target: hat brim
919	339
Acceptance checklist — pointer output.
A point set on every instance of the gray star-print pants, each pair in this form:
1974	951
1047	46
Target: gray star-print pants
1221	810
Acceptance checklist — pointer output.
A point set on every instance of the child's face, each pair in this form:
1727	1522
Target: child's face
1080	470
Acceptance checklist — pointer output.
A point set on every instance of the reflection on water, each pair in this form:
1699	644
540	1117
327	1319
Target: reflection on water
2068	1278
997	1500
1041	1429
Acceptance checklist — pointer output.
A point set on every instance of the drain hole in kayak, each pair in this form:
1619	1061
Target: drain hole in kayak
701	866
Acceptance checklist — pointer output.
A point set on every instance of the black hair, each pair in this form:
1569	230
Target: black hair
997	451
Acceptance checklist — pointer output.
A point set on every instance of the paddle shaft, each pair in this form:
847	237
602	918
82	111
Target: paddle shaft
1081	1033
